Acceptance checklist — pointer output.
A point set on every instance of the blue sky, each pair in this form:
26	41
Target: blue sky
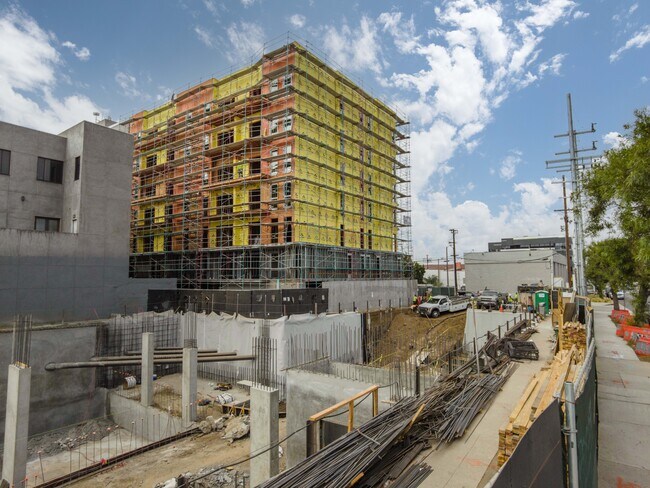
484	83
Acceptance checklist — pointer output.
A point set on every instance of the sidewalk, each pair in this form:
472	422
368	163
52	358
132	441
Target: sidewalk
470	461
623	408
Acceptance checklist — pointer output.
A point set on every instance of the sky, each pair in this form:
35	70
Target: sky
483	83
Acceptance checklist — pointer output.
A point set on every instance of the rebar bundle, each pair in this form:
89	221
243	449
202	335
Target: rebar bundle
382	449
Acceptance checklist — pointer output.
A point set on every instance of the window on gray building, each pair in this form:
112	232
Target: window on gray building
5	161
46	224
77	167
49	170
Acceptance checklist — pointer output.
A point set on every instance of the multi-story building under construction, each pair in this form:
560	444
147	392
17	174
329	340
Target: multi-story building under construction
282	174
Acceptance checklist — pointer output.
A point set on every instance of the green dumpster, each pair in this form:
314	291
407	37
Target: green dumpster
541	302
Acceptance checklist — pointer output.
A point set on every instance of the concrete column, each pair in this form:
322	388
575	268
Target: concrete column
264	433
14	466
190	372
146	386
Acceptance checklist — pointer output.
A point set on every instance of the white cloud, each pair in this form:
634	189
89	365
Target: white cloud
214	7
298	20
478	57
638	40
128	83
508	167
644	79
82	54
614	140
403	32
28	76
204	36
465	67
633	9
579	14
553	65
247	3
355	49
430	150
529	213
246	40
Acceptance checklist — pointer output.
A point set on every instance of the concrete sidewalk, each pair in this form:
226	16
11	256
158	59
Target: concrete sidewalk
470	461
623	408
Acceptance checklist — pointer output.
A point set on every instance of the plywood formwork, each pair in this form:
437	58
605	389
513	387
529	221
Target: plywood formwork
282	173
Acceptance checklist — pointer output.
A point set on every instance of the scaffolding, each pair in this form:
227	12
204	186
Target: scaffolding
282	174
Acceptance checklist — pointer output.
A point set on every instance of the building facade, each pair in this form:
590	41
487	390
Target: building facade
504	271
445	273
282	174
508	243
64	224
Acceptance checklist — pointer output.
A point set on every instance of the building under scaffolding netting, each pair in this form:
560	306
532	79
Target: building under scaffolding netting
282	174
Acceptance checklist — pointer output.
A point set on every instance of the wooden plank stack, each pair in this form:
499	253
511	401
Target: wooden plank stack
573	334
537	397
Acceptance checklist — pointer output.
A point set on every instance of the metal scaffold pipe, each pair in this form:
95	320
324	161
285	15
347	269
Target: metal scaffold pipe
170	355
137	362
175	350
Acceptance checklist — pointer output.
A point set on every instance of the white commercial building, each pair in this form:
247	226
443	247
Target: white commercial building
504	271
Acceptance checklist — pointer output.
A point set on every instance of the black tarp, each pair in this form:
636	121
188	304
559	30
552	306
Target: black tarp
587	427
537	459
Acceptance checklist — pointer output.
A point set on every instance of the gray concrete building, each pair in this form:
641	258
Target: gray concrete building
64	224
538	242
504	271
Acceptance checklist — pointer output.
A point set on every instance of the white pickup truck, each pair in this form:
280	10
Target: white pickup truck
438	304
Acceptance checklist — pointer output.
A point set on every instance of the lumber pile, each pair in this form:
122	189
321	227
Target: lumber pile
538	395
573	334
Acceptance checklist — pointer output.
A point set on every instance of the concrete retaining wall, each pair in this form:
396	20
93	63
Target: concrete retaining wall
487	322
309	393
58	398
345	295
235	333
149	423
56	277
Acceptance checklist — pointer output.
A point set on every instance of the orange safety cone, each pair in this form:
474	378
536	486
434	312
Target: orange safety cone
501	308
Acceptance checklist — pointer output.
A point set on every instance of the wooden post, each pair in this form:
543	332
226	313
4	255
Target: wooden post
351	416
375	403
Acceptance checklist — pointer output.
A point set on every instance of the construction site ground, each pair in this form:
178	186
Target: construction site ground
183	456
471	461
408	329
623	405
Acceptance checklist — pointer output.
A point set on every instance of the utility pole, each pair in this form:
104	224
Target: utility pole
567	242
575	165
439	271
453	243
447	266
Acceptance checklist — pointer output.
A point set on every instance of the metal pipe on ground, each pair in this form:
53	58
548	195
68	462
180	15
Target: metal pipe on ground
137	362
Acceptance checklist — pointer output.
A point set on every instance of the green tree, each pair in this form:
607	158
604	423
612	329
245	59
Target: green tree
617	193
418	272
609	262
433	280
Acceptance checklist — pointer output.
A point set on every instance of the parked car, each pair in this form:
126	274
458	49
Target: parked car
490	299
620	295
438	304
